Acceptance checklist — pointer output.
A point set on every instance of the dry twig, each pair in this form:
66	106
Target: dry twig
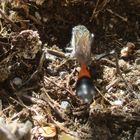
48	79
8	20
56	53
129	87
117	15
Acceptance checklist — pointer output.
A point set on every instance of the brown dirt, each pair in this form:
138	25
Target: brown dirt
31	87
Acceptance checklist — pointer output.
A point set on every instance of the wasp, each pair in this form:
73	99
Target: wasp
81	43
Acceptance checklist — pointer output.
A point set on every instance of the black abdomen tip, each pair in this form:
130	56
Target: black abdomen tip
85	89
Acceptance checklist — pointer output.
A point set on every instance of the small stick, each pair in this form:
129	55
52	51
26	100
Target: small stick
112	83
98	57
126	83
35	20
7	19
20	102
55	106
47	79
33	75
63	63
94	11
109	62
56	53
5	44
34	100
61	127
103	95
117	15
69	78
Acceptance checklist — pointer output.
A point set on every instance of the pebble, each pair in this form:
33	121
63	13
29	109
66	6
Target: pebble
37	15
17	81
127	50
123	64
138	82
50	57
65	105
137	63
118	103
62	74
137	134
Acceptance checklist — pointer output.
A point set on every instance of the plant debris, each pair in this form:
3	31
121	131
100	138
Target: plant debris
38	77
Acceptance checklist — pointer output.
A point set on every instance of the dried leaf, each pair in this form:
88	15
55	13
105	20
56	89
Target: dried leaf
47	131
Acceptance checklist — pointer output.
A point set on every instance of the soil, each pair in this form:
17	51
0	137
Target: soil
37	79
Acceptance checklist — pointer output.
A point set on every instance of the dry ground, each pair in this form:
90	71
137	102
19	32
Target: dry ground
36	77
